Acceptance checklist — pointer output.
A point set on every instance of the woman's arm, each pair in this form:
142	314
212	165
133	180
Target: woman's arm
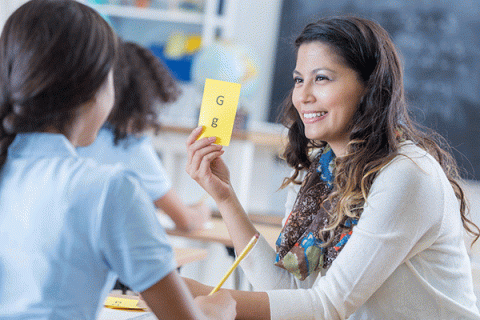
186	218
206	166
169	298
208	169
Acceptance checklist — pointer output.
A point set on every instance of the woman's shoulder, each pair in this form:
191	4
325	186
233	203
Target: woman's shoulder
411	155
412	165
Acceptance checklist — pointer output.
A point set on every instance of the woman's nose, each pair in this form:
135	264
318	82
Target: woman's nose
306	94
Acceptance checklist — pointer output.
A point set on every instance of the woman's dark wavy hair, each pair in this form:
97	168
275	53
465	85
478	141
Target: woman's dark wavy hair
141	81
54	57
380	124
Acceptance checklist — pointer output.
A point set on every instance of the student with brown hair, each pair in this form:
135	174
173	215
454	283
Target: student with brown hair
70	227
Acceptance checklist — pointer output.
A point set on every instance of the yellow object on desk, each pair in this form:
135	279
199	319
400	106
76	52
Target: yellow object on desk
122	303
235	264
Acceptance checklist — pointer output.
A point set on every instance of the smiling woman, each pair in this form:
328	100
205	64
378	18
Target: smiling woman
375	215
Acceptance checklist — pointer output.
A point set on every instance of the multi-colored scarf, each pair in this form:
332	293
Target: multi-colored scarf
299	246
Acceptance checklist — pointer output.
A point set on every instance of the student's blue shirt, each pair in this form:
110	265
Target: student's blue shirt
68	227
136	154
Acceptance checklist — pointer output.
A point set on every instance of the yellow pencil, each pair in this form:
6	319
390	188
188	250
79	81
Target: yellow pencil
236	262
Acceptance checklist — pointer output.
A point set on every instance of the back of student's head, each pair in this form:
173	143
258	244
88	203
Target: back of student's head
54	57
142	85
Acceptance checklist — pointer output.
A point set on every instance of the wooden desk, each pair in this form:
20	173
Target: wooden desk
259	218
219	233
188	255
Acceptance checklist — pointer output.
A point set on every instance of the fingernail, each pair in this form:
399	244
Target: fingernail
212	139
198	128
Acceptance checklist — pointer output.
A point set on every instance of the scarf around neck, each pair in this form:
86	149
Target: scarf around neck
300	245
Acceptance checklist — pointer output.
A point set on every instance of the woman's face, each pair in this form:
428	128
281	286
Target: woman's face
326	95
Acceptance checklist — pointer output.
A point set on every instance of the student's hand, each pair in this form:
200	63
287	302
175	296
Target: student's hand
206	167
219	305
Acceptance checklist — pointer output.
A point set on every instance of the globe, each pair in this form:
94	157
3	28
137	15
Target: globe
226	61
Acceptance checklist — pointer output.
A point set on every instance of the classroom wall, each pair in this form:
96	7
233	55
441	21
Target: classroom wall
259	24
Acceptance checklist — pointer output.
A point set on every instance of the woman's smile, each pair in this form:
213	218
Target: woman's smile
311	117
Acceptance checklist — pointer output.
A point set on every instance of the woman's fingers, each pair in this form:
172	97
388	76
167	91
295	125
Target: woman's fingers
201	160
205	165
197	152
193	146
194	135
191	139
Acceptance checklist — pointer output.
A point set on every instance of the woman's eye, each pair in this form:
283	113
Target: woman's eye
320	78
297	80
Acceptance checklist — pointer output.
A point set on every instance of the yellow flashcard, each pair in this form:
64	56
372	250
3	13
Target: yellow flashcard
219	106
122	303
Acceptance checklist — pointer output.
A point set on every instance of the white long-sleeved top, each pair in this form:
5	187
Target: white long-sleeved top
406	258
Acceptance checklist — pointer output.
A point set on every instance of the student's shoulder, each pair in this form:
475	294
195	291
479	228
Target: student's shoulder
134	143
93	175
107	134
